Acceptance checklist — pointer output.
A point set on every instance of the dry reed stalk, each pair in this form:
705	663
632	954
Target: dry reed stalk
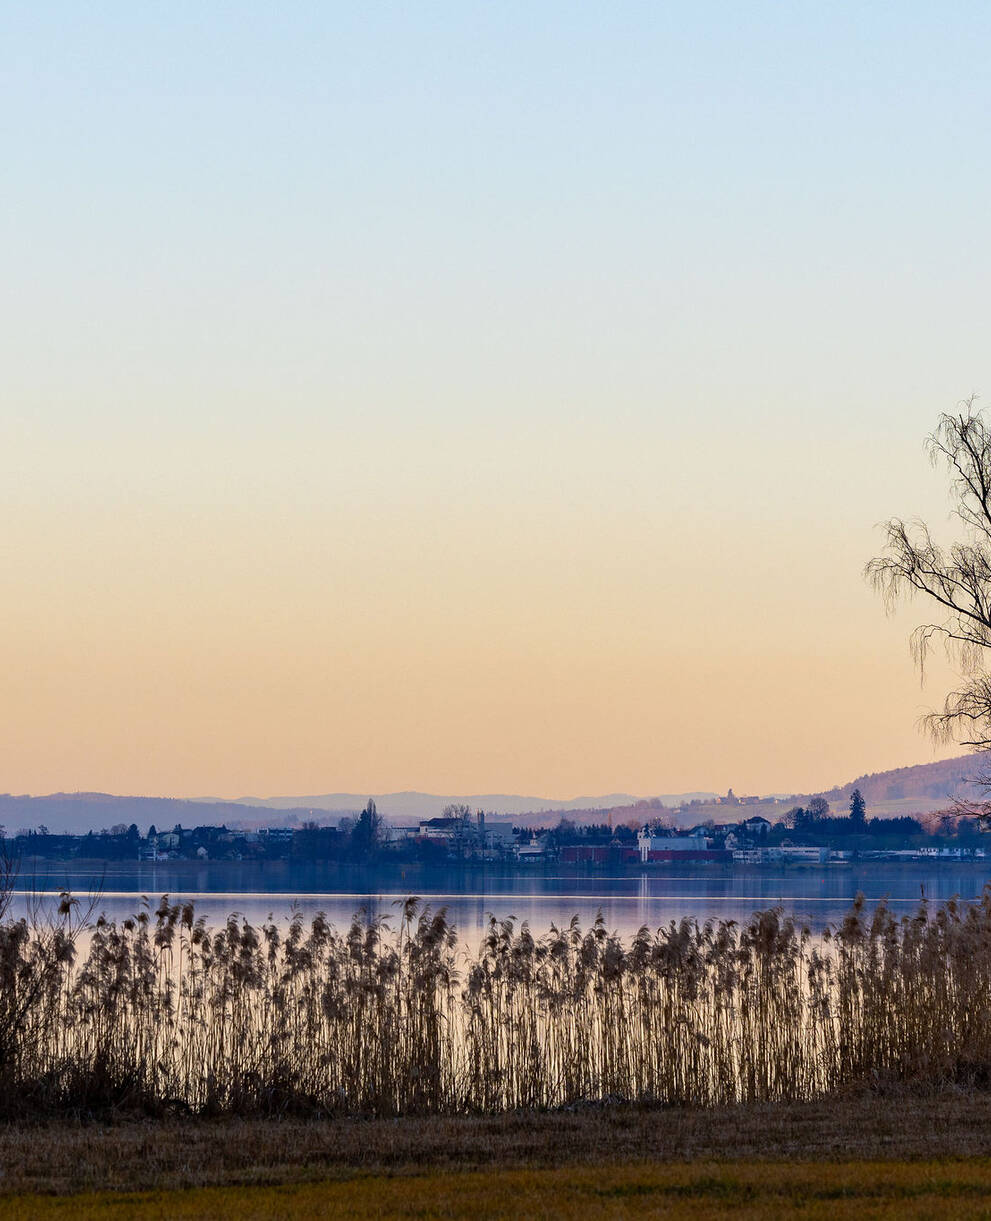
162	1013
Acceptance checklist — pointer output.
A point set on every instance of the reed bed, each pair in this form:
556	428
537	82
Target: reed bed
161	1013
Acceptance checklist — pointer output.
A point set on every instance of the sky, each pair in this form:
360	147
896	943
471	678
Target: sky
475	398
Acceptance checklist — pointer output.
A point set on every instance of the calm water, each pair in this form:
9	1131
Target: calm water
816	895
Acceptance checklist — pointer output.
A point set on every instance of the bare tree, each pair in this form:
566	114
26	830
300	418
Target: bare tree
462	832
817	809
954	581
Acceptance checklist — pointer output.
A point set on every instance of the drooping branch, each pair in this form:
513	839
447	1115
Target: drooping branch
963	443
956	580
964	717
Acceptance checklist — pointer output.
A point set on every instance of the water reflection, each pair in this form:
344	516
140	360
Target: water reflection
816	895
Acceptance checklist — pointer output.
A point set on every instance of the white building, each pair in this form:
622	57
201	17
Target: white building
531	853
756	825
648	843
816	856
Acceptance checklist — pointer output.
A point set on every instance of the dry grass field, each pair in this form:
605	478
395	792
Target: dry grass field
755	1190
860	1156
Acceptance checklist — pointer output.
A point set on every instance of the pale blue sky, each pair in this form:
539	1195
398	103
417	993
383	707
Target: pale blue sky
586	317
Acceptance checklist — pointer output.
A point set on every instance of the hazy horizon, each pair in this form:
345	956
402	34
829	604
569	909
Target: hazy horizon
481	400
284	800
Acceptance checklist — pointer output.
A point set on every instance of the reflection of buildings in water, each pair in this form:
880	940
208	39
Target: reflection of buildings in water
478	912
651	898
643	900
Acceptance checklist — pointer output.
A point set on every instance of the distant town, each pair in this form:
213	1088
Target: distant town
804	834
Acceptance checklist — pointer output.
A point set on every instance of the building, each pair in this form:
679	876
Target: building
812	855
649	843
756	826
394	834
612	853
532	853
441	829
658	849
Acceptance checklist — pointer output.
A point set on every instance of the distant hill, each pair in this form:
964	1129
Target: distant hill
77	813
904	790
934	783
412	805
900	791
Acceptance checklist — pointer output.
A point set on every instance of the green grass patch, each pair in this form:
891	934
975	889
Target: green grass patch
758	1190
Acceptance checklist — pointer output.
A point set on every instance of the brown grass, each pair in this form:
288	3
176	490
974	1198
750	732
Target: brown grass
185	1153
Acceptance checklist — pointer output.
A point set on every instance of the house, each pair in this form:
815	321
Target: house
612	853
441	829
758	856
585	854
684	856
695	846
812	855
393	834
756	826
496	834
531	853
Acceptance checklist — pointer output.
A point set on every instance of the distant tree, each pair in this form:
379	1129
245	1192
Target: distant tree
901	827
367	831
968	828
567	833
858	810
817	809
803	818
461	813
457	810
940	822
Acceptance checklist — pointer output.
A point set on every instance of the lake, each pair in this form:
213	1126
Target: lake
816	895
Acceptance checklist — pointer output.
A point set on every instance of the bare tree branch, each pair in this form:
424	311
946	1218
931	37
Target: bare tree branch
956	580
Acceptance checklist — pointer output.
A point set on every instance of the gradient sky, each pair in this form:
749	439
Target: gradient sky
475	397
